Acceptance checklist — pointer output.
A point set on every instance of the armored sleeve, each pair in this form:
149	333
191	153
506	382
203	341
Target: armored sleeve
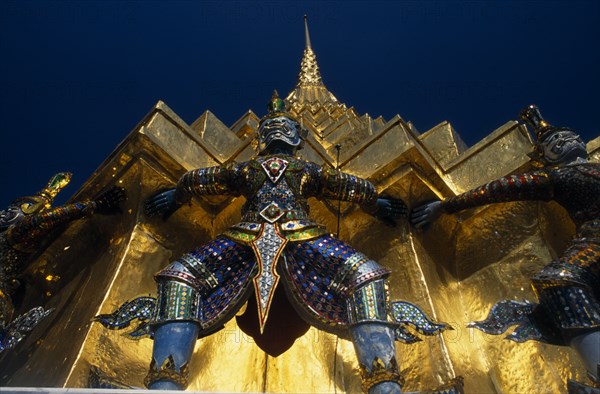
218	180
337	185
523	187
33	228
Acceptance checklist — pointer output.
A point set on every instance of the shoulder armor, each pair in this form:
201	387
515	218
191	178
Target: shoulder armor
329	171
296	165
254	164
591	169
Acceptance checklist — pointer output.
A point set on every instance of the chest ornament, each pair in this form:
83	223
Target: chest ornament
274	167
272	212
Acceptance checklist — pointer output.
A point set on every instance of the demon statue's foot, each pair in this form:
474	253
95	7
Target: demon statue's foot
409	315
385	388
173	346
164	385
588	347
376	353
98	379
532	321
574	387
139	309
503	315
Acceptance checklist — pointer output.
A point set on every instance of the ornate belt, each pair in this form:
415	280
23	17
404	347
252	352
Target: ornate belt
273	213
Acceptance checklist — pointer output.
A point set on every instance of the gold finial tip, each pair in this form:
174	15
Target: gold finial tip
306	35
275	93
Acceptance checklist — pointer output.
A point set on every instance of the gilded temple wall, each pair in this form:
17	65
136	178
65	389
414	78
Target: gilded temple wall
455	270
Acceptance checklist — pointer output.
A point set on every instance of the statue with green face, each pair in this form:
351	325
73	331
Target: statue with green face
285	265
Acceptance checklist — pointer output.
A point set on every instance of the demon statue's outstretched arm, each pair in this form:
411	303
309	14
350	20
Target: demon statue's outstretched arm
522	187
337	185
217	180
29	232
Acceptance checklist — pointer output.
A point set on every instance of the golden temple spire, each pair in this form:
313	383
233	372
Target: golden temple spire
306	35
309	70
310	92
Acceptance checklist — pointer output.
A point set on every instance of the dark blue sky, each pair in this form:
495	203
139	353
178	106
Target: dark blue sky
77	76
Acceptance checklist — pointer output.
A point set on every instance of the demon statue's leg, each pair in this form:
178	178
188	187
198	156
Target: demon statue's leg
173	347
588	347
574	307
176	328
373	338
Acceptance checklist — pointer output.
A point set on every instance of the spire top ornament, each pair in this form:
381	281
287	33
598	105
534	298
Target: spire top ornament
310	93
306	35
309	70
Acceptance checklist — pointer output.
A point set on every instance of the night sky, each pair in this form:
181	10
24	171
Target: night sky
76	77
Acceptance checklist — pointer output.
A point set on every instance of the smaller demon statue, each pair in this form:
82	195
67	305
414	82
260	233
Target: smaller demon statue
329	284
568	288
24	229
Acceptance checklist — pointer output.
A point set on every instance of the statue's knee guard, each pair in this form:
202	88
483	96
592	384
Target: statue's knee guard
373	338
178	295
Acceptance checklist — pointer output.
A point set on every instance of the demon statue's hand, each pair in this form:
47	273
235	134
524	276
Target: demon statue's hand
426	214
162	203
390	209
109	201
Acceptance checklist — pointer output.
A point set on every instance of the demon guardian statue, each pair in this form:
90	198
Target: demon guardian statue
568	289
24	227
330	285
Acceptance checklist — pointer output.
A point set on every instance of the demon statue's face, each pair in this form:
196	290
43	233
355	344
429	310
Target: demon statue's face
562	146
40	202
18	209
9	216
279	131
